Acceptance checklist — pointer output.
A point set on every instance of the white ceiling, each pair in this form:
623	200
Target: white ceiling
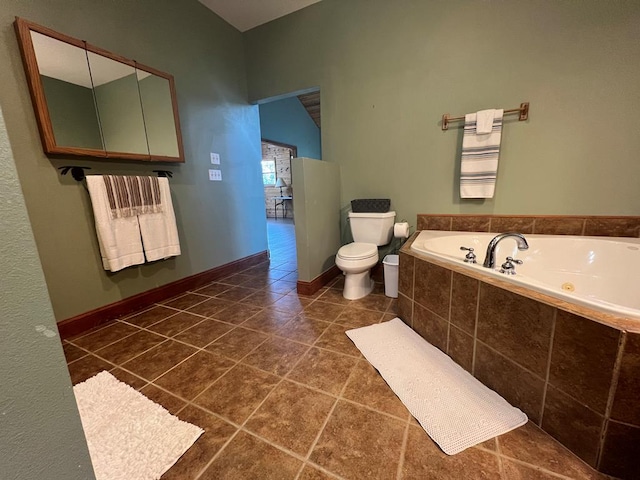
246	14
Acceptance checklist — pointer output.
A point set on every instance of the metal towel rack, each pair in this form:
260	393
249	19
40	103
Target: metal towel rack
523	111
78	172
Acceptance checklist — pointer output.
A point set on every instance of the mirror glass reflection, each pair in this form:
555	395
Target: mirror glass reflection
94	103
115	88
155	96
65	77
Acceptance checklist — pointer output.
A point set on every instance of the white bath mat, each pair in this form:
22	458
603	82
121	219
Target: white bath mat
455	409
129	436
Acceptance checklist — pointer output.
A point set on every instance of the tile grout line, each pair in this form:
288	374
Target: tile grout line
532	373
124	318
174	340
217	415
326	420
540	469
108	344
203	348
503	473
448	319
237	362
554	321
239	427
622	343
403	448
198	350
543	469
475	330
242	426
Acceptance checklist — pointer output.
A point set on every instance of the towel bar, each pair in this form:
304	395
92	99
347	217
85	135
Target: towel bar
78	172
523	111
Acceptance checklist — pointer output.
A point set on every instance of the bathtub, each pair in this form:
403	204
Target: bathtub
602	273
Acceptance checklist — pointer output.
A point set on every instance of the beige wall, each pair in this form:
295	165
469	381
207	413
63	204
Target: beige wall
205	55
388	71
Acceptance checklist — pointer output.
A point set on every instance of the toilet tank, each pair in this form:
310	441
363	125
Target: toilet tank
376	228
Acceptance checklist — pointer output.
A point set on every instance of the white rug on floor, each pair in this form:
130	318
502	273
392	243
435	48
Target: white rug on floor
129	436
455	409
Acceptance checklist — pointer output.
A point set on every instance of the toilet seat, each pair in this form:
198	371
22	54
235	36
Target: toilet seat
357	251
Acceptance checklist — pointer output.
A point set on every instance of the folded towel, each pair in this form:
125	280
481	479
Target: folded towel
484	121
118	238
130	195
479	160
158	230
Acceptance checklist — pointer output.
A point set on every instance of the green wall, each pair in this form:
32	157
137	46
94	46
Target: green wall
218	222
73	114
120	111
388	71
317	203
155	96
40	435
287	121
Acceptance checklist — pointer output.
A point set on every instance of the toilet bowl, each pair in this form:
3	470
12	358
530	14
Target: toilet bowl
356	260
370	230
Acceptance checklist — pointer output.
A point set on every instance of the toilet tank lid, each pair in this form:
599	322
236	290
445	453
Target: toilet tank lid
372	215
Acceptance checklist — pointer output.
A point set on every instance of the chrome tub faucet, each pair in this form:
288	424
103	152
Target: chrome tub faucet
490	259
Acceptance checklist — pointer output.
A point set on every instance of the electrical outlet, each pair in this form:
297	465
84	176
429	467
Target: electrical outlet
215	175
215	158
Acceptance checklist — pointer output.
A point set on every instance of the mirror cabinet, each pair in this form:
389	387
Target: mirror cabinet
91	102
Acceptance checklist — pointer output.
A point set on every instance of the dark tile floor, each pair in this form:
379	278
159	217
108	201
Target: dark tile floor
282	392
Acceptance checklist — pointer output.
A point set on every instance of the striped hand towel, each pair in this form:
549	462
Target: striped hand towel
130	196
479	162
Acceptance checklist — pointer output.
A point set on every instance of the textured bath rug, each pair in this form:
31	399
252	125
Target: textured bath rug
129	436
455	409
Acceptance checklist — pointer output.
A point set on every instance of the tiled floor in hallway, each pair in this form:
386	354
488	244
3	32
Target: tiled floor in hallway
281	391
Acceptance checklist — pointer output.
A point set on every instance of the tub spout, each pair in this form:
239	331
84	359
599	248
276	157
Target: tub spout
490	259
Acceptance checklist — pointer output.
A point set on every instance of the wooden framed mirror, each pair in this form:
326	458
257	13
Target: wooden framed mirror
92	103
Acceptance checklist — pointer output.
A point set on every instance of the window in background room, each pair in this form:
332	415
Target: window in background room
268	172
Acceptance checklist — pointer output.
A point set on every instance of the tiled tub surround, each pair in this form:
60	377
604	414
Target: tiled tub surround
542	224
585	271
575	372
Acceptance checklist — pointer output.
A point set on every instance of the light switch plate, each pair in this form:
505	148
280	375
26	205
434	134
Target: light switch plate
215	175
215	158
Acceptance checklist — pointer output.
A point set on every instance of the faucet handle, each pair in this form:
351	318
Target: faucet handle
469	257
508	267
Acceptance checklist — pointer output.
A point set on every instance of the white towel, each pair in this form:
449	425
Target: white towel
479	161
119	238
159	231
484	121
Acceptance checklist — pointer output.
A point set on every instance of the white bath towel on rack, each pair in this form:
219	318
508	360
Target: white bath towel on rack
479	160
118	238
484	121
159	230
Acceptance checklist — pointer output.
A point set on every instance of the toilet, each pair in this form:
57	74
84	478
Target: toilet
356	259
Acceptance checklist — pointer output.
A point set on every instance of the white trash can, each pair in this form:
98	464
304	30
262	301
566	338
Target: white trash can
391	266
